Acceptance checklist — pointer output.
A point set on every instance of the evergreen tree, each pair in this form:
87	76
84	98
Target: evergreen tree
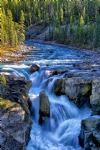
10	28
22	28
57	13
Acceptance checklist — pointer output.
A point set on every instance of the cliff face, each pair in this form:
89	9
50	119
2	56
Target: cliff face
84	88
81	86
15	122
14	126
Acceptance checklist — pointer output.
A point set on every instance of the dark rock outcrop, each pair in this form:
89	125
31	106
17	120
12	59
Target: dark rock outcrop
15	122
15	126
95	97
59	87
90	134
16	90
34	68
60	71
44	110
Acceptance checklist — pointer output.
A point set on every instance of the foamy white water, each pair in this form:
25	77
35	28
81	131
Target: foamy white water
61	131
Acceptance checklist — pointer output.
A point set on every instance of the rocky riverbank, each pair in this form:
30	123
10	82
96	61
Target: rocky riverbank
15	122
12	55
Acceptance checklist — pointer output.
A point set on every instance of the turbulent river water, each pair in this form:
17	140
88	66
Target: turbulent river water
61	131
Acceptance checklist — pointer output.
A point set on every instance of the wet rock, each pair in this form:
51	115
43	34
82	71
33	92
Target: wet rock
59	87
96	138
15	126
95	97
56	72
60	71
34	68
44	110
90	134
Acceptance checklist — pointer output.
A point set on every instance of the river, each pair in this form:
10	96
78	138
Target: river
61	131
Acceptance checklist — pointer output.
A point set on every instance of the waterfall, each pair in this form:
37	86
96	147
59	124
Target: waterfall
61	131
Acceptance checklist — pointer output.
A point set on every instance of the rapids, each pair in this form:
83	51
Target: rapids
61	131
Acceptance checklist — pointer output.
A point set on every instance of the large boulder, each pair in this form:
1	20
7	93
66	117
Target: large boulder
44	109
90	134
76	88
34	68
15	126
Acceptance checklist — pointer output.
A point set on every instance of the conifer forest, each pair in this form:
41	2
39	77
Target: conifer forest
49	74
71	22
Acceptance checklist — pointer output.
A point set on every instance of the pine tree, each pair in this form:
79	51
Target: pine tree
2	28
55	13
22	28
10	28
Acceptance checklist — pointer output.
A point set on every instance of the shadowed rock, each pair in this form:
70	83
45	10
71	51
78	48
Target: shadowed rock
90	134
16	90
44	110
95	97
59	87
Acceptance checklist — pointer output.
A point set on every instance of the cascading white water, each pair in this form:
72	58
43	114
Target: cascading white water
61	131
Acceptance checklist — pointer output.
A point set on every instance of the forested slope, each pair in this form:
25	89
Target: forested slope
12	31
72	22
